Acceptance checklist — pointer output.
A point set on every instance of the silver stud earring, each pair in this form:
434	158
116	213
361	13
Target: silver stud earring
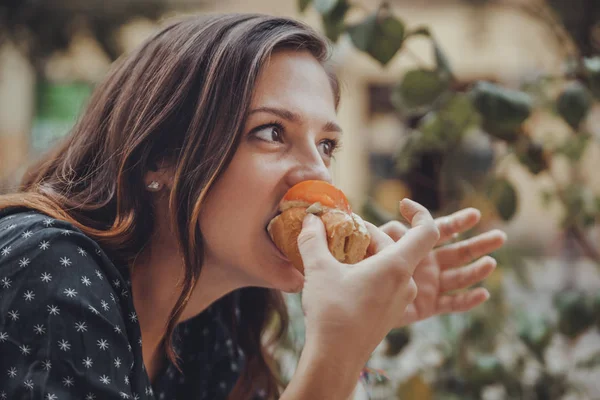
154	186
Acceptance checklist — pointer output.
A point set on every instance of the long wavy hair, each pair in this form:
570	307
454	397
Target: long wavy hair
181	97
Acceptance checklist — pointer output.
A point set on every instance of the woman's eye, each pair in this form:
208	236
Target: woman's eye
329	147
270	133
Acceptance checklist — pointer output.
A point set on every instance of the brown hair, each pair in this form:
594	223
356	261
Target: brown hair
181	97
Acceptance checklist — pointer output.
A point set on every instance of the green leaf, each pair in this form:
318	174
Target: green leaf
574	103
324	7
418	90
396	340
575	313
574	147
591	68
445	127
503	110
591	362
334	21
380	35
532	155
303	4
504	196
536	333
485	370
443	65
408	153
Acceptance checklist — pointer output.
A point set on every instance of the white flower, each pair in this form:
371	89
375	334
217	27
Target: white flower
90	396
5	283
66	233
126	380
51	396
6	251
124	293
93	309
46	365
44	245
25	350
140	341
53	310
86	281
116	283
81	252
39	329
28	384
64	345
105	379
3	337
26	234
117	362
117	329
12	372
87	362
68	381
3	395
46	277
133	316
99	275
104	305
102	344
29	295
65	262
23	262
48	222
80	326
124	395
14	315
70	292
112	297
136	396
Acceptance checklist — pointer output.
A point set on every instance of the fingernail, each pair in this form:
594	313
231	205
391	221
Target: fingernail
309	220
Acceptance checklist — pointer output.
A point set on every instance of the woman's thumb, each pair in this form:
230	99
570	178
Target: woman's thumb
312	241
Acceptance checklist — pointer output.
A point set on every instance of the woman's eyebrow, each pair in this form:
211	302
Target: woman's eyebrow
293	117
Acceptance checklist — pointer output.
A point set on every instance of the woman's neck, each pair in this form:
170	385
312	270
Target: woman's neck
156	278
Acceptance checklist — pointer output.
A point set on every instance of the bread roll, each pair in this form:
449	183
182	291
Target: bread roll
347	235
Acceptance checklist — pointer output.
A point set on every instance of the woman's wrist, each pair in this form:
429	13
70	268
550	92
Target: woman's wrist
323	375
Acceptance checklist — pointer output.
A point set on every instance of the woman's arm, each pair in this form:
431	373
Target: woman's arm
62	335
350	308
324	375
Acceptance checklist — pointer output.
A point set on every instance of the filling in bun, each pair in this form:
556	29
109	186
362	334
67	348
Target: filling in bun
347	235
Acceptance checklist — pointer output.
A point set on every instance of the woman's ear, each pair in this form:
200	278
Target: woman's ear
159	176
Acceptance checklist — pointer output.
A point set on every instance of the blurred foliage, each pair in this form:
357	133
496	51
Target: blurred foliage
442	115
41	28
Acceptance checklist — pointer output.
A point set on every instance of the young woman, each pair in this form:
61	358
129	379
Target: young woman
135	262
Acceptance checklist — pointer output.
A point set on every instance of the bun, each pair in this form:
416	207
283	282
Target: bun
347	235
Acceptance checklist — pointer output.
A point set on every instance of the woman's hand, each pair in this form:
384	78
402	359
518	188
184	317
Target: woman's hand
450	267
350	308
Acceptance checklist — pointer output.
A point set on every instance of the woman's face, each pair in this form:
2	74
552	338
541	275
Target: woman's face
290	136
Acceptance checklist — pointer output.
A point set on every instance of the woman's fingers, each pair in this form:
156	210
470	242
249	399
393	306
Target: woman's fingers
458	222
463	277
463	252
312	242
406	253
461	302
379	240
450	225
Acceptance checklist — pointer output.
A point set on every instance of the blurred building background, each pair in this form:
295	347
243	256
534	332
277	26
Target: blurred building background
44	84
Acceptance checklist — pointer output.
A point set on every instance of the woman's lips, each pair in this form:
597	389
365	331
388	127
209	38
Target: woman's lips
276	249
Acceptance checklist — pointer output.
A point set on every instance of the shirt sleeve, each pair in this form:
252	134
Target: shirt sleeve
62	333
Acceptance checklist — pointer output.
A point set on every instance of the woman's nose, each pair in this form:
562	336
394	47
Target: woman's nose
309	169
